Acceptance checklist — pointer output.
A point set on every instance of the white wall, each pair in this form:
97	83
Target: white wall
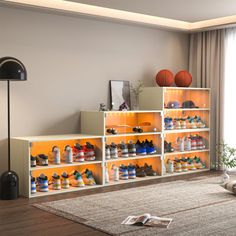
70	61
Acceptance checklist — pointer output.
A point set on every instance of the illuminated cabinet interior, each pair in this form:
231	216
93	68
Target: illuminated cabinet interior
186	125
185	130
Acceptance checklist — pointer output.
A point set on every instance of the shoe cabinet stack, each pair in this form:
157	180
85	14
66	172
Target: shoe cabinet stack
123	122
170	100
23	147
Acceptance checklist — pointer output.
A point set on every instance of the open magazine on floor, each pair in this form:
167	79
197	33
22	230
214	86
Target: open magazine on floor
147	220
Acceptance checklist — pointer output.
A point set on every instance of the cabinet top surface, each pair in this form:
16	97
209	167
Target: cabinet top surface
180	88
138	111
56	137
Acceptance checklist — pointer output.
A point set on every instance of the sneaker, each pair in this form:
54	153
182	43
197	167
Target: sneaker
42	160
56	155
200	144
150	149
123	150
76	179
179	145
170	166
114	151
168	123
178	166
148	170
111	131
191	123
177	123
197	162
124	175
33	185
184	164
131	171
115	173
193	143
183	123
32	161
191	165
140	148
199	122
68	154
140	171
88	177
89	152
65	182
187	144
78	153
131	149
56	182
42	183
168	147
107	152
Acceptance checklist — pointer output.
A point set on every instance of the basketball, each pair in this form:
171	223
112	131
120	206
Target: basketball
183	79
164	78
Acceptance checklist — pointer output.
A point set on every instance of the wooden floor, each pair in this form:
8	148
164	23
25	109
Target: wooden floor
19	217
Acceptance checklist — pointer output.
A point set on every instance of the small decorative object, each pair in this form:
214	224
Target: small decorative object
123	107
165	78
33	185
102	107
227	157
119	94
136	89
42	183
55	155
32	161
183	79
65	182
68	154
56	182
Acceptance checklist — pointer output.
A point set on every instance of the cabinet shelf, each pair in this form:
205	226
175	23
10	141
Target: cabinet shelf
174	131
131	134
133	158
186	109
62	165
186	173
185	152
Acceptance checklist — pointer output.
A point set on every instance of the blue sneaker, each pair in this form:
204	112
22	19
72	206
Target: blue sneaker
131	171
169	123
150	147
124	175
140	148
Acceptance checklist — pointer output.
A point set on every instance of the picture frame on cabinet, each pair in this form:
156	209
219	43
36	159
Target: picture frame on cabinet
119	95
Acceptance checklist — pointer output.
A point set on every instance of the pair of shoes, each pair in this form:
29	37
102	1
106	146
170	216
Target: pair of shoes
198	163
56	182
33	185
55	155
83	153
146	170
168	123
111	151
199	122
42	160
168	147
111	131
179	145
127	172
197	142
145	148
177	165
78	179
42	182
65	182
170	166
180	123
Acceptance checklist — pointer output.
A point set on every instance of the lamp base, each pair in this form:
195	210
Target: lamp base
9	186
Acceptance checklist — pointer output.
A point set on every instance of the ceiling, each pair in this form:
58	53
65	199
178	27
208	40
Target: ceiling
185	10
183	15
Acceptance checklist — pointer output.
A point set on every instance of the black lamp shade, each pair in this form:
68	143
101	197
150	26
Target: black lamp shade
12	69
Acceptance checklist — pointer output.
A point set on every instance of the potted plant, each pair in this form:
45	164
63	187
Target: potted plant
227	158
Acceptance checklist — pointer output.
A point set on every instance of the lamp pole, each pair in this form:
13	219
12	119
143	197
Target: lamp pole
9	125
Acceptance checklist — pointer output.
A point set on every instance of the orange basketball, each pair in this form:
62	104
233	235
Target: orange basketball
183	79
164	78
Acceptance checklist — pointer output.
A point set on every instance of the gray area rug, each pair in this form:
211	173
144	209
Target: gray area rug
198	206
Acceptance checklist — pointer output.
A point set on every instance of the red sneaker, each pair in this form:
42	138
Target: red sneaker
89	152
78	153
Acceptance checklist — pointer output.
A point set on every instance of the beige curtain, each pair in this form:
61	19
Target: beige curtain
206	63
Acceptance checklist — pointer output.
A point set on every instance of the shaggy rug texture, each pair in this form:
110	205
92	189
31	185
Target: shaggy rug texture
198	206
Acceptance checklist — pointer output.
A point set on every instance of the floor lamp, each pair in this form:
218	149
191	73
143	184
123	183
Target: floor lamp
11	69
